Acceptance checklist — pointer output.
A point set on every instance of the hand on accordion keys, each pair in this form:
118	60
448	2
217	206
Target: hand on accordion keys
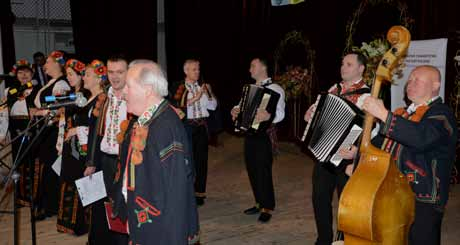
262	115
348	153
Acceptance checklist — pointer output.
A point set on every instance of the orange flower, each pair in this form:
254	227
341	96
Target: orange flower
138	141
140	136
136	157
123	128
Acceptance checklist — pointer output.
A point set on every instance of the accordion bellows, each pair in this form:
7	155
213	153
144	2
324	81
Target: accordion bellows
334	125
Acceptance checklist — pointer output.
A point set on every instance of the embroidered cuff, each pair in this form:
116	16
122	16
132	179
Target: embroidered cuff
388	125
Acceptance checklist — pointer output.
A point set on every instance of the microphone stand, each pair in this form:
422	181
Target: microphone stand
14	176
16	138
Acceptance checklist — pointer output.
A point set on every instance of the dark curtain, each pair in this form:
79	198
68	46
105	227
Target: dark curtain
226	34
105	27
208	31
6	24
439	19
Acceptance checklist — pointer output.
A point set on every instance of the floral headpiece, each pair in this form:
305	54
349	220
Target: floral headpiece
99	68
76	65
58	56
19	63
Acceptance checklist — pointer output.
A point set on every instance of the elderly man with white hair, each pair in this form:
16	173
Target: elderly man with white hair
155	179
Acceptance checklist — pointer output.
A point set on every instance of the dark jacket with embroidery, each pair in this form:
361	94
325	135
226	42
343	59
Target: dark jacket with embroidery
161	206
425	150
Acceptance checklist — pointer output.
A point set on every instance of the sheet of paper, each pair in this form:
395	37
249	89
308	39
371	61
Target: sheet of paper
91	188
57	165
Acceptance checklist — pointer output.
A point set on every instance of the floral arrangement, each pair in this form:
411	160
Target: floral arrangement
99	68
374	52
19	63
294	81
76	65
58	56
404	18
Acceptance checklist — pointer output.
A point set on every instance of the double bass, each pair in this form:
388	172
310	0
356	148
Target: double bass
377	204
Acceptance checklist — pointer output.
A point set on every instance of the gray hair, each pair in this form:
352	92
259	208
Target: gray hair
151	74
190	61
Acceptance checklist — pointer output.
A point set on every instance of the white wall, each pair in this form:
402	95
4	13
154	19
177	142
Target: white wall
42	9
27	41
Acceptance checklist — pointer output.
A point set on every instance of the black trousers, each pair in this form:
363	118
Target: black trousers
426	229
49	189
259	160
325	180
199	134
99	232
108	165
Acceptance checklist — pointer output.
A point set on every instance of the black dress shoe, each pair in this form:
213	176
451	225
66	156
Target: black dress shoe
251	211
199	201
264	217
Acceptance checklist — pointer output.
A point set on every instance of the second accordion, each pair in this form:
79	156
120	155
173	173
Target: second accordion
334	125
253	98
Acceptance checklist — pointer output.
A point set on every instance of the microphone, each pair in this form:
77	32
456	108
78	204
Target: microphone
18	91
80	101
53	98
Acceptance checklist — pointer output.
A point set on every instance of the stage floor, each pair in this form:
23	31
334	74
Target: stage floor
229	193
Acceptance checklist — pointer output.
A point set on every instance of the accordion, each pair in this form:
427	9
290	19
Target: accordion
334	125
255	97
